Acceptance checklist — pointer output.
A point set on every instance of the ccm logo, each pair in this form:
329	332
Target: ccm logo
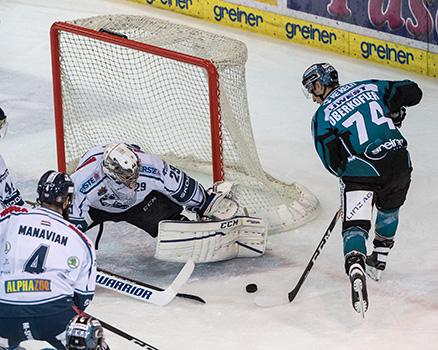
230	223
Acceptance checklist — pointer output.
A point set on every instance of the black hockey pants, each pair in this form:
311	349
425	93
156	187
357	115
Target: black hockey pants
145	215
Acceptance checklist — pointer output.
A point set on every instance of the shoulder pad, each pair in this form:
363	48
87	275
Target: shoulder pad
13	209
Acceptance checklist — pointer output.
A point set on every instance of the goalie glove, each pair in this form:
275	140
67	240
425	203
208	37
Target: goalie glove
398	117
219	205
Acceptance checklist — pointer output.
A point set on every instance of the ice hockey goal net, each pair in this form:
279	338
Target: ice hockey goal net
176	91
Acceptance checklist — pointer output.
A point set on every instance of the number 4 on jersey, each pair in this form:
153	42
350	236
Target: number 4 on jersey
35	264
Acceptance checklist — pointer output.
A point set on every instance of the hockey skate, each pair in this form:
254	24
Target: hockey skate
376	262
355	264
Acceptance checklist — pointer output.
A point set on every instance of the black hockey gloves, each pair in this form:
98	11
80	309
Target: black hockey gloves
398	117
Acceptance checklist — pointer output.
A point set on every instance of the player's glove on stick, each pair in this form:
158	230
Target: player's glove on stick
398	117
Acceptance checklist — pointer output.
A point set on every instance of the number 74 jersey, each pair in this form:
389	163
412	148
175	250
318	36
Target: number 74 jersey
352	130
43	259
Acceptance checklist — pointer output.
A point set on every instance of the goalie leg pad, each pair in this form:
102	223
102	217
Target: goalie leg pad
240	236
251	243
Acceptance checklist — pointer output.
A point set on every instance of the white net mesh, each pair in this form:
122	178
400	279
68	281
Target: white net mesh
111	92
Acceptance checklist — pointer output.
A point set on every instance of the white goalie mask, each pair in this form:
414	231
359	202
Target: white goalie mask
3	124
121	164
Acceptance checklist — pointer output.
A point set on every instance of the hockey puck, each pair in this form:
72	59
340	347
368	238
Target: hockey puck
251	288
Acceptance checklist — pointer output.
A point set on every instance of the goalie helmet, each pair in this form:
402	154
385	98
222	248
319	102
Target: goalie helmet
3	124
54	188
121	164
325	73
84	333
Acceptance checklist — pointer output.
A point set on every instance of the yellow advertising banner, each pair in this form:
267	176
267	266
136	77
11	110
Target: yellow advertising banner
269	2
432	61
194	8
304	33
389	53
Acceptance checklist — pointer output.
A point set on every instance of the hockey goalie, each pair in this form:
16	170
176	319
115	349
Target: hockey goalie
119	182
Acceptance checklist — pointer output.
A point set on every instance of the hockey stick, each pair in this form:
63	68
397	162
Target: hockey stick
269	301
117	331
136	291
140	283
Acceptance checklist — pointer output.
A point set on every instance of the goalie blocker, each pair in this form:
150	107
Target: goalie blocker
240	236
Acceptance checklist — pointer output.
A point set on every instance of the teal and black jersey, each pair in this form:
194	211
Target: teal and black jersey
352	130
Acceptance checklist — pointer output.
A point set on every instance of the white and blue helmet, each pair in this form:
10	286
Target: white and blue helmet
84	333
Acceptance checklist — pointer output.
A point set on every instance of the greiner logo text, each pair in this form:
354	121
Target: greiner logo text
182	4
386	53
308	32
237	15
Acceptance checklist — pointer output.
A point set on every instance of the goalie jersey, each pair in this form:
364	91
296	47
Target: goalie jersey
9	195
93	188
46	264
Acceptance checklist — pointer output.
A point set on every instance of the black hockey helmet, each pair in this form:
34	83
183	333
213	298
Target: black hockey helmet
325	73
84	333
54	188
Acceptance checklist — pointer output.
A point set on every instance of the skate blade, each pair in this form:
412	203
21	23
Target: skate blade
360	306
374	273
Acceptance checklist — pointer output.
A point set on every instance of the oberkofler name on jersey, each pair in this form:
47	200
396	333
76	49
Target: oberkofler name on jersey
349	101
42	233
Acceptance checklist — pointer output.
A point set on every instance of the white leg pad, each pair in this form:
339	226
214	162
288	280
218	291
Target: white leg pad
241	236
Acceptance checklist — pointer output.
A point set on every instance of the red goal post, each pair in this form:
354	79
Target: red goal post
176	91
213	85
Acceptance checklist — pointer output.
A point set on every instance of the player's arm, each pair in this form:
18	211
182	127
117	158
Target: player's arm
181	187
403	93
78	212
85	284
215	203
329	146
9	195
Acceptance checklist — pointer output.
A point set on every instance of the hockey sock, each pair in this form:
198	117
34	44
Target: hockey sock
386	224
354	240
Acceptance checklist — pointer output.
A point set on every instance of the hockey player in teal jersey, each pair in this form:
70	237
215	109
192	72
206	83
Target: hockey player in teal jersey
356	131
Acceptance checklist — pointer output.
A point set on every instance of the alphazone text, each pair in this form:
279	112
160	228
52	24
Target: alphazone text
309	32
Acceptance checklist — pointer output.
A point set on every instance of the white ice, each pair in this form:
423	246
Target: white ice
403	310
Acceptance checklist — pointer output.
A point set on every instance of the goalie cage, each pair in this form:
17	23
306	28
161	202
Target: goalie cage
176	91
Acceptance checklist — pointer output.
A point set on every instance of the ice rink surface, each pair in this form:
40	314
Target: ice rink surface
403	310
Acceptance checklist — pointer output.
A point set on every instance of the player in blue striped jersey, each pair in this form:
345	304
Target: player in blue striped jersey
47	266
119	182
9	195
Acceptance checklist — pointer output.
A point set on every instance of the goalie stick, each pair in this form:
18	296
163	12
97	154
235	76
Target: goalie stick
270	301
118	331
140	283
136	291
